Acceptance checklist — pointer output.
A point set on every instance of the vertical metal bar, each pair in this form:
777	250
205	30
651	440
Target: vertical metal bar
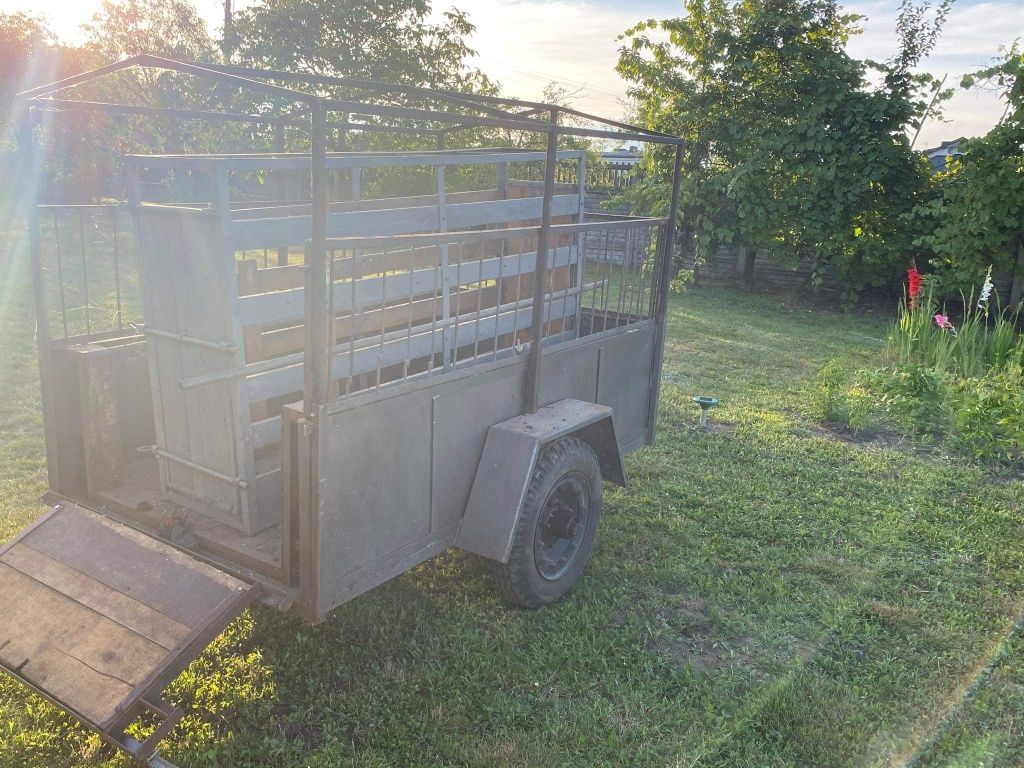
499	299
606	280
383	320
622	302
60	274
479	301
412	296
502	179
532	382
433	318
85	270
442	226
27	154
282	188
117	269
356	183
319	274
581	190
353	313
663	271
457	316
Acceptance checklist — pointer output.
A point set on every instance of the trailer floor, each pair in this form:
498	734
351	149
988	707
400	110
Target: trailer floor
138	499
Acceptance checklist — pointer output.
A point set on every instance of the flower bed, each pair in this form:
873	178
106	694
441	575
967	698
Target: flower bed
960	381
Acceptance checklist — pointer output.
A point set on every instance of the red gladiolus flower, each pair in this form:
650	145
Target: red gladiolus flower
913	285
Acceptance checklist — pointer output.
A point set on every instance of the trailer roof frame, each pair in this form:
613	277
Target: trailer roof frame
493	111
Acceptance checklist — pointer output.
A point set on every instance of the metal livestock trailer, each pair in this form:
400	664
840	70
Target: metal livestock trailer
462	364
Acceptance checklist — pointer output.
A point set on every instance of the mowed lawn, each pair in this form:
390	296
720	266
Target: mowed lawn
768	593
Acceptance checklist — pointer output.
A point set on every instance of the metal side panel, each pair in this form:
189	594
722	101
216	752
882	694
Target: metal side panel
99	618
506	468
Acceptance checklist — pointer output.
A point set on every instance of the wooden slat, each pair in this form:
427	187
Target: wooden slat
266	433
369	354
135	564
254	234
93	594
94	648
106	646
286	306
284	341
90	693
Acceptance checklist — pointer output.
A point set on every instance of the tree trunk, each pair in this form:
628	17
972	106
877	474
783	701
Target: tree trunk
748	266
1017	286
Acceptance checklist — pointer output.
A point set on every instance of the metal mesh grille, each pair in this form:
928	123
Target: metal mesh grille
89	261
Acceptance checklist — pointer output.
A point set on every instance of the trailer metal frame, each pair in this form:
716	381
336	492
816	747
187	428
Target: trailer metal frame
476	421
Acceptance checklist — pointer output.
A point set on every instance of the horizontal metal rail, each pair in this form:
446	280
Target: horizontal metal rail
496	116
338	160
162	454
476	236
221	346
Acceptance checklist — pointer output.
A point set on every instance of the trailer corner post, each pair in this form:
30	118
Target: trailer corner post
319	274
541	270
661	308
29	162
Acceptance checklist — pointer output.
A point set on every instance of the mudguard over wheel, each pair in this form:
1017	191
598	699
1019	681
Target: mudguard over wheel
555	536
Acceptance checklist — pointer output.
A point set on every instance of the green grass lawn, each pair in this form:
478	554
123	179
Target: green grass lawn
768	593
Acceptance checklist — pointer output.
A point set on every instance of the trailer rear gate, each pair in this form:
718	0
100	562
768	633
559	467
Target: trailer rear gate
99	618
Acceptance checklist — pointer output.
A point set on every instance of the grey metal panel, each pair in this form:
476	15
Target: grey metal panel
570	373
382	437
367	577
506	467
618	385
374	471
463	412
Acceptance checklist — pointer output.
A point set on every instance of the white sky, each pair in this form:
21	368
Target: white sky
526	43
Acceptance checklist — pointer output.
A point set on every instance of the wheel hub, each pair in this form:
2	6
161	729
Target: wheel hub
561	526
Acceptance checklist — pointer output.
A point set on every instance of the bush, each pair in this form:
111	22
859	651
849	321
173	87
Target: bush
988	415
964	382
834	401
916	394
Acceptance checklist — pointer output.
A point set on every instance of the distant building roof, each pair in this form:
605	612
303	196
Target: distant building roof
627	155
939	156
946	147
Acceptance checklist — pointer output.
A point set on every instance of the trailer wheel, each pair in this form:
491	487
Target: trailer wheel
554	538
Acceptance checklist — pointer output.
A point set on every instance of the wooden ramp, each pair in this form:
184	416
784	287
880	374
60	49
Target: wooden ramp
100	618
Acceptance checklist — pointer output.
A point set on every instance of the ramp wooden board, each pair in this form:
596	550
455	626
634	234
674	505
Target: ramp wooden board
99	617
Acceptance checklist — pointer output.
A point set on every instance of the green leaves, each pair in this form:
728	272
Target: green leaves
791	150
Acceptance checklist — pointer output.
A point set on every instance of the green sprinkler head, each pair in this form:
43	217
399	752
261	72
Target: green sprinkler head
706	404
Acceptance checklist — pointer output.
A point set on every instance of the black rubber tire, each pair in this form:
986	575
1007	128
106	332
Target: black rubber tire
520	580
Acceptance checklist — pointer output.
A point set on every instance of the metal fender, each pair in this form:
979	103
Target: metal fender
506	467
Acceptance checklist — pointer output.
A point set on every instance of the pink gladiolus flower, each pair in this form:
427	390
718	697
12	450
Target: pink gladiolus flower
943	322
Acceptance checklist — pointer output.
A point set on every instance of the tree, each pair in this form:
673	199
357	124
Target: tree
973	218
388	40
26	47
790	148
85	150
